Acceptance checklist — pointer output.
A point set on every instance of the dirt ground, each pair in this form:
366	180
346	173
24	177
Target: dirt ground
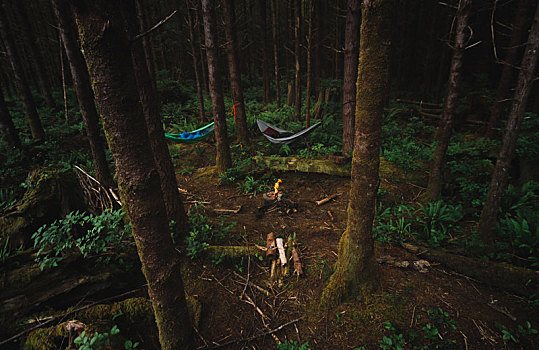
239	302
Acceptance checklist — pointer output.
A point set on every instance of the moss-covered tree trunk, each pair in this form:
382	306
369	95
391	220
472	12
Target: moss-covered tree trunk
21	83
240	118
223	160
498	183
83	90
8	133
508	69
107	51
195	53
443	134
150	107
351	49
356	273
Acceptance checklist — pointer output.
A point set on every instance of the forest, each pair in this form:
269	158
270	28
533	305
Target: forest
270	174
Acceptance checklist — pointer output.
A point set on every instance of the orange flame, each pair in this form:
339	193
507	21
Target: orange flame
276	187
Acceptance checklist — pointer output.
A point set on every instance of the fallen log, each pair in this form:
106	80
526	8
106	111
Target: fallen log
505	276
230	252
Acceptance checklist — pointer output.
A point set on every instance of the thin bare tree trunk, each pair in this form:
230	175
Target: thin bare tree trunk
275	52
8	133
356	272
36	55
240	118
203	64
265	54
444	131
308	88
146	40
21	83
195	53
507	75
499	178
351	53
223	160
83	90
297	54
107	52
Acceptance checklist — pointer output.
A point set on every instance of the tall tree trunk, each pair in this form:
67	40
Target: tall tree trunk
107	53
351	50
443	133
8	133
36	55
151	110
146	40
356	272
498	183
223	160
507	75
195	44
275	52
240	118
21	82
297	54
265	53
317	30
200	29
83	90
308	88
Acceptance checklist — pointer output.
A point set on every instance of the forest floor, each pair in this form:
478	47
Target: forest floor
433	309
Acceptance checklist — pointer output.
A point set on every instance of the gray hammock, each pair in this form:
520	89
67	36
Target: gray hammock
280	136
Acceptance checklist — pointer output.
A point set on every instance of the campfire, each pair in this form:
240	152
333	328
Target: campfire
274	195
276	201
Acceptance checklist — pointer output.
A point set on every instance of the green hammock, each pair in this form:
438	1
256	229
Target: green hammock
193	136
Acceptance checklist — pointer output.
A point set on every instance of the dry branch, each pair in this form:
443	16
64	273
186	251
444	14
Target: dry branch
327	199
297	262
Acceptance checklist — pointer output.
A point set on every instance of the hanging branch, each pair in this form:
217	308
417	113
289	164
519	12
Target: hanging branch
163	21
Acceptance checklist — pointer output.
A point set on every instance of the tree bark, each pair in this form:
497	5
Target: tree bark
297	54
356	273
151	110
240	118
265	54
107	52
8	133
146	40
507	75
21	83
196	53
308	87
200	29
36	55
443	133
83	90
223	160
498	183
275	53
351	51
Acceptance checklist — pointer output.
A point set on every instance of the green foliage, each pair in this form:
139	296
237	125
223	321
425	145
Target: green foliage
432	222
518	230
293	345
436	221
99	234
395	340
8	197
203	231
467	161
89	341
515	336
